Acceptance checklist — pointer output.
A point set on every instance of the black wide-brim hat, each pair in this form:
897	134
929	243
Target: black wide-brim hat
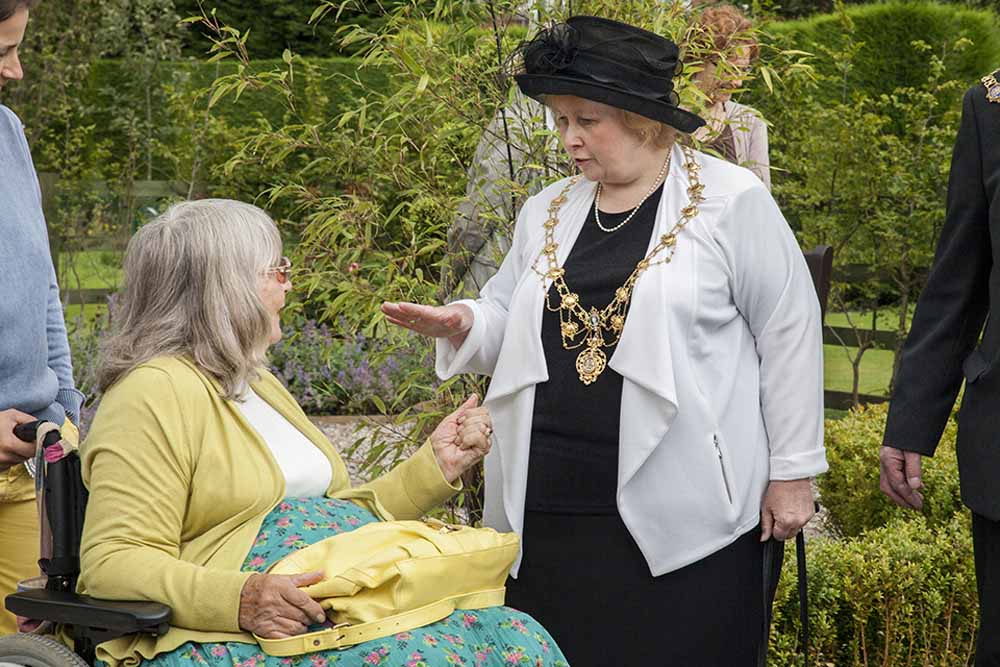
609	62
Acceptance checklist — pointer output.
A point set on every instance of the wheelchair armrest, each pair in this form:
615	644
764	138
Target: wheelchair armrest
120	618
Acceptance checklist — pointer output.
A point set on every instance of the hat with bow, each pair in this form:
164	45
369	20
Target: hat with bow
609	62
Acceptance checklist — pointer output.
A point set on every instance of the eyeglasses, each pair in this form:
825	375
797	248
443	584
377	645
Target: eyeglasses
283	272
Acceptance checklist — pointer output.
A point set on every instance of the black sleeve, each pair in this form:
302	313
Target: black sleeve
952	307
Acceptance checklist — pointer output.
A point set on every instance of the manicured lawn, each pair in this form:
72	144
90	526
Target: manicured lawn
82	316
876	370
876	365
90	269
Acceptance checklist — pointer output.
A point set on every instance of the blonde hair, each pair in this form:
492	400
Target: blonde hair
190	289
650	131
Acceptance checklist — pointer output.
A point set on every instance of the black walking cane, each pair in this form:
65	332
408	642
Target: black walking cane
800	561
800	557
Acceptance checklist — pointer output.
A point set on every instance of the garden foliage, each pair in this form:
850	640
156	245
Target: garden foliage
861	153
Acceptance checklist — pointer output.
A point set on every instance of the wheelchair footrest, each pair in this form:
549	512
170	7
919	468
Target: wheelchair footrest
87	612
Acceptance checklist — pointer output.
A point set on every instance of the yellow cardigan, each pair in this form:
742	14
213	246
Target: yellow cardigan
179	486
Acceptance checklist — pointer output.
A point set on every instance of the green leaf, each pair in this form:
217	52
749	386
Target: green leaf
765	73
422	86
318	13
218	94
240	88
286	55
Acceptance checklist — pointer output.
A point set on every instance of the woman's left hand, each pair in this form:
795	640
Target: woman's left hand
787	507
462	439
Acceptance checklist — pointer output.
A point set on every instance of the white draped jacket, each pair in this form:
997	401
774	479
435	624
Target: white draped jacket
721	355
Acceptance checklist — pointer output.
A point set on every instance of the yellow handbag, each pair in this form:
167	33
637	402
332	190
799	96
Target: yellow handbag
392	576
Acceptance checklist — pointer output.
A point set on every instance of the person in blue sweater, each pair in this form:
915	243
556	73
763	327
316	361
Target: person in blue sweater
36	374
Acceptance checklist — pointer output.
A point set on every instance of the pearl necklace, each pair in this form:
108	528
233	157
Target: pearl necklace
652	189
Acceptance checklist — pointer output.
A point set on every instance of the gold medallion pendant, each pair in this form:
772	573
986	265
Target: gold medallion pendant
591	363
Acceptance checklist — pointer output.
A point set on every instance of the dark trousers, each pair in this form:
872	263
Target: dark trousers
986	542
586	581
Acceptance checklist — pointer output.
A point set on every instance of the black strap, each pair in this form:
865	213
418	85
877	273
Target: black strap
800	558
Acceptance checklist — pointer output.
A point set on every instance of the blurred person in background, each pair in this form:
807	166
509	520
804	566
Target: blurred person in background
733	130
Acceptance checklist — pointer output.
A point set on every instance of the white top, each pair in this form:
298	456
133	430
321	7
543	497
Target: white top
721	358
749	137
307	471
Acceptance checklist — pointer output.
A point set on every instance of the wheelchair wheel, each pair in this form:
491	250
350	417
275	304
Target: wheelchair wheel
23	650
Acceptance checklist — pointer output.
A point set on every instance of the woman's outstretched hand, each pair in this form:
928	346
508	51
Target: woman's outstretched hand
462	439
452	322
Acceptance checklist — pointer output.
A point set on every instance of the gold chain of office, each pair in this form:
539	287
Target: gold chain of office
992	87
589	328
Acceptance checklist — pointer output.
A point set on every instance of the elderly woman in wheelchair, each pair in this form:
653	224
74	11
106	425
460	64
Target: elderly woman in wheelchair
202	470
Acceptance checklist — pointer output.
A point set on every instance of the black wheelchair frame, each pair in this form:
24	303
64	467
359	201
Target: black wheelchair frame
88	620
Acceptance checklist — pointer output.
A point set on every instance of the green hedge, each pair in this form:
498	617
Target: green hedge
903	595
279	24
801	8
887	59
850	490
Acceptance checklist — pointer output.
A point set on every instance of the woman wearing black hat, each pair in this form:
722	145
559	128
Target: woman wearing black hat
654	343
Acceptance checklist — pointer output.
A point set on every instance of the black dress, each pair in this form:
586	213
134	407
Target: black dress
582	575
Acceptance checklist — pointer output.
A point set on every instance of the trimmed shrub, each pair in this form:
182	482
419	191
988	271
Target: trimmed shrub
886	59
850	491
280	24
903	595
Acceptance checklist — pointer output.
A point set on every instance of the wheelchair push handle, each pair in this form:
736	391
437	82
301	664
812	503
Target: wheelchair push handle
28	432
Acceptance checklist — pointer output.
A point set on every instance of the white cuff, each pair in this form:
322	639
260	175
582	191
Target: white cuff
449	361
799	466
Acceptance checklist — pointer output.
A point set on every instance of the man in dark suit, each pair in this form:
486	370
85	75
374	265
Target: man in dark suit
941	351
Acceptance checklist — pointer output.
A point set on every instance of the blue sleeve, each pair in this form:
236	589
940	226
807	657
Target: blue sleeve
59	355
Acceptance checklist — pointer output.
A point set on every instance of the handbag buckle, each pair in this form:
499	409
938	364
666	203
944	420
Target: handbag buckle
319	642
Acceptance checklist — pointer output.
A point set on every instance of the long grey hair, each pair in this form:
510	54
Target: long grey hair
190	289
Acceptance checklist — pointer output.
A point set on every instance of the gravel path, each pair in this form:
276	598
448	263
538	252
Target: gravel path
343	432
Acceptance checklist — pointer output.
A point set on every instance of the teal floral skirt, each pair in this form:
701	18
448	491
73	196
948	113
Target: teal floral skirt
494	637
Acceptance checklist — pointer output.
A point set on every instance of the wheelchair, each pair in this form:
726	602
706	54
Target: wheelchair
86	620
